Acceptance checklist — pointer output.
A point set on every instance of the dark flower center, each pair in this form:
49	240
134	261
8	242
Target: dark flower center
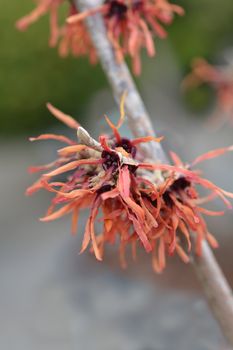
116	8
180	184
127	146
167	199
110	160
132	168
104	188
153	202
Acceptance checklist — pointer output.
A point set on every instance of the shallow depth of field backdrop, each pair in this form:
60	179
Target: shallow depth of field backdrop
51	297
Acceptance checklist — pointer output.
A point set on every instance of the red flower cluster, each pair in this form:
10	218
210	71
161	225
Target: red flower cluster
72	38
125	196
220	78
131	25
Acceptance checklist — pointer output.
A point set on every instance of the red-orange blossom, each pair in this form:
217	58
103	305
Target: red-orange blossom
131	205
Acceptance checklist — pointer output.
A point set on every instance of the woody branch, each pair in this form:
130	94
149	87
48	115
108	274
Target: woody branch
216	288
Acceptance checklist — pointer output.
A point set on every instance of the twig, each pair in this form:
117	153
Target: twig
215	286
121	81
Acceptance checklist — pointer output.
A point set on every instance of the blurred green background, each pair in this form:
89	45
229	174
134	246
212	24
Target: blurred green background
32	74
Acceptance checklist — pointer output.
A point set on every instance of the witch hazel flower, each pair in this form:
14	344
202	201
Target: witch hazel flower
129	204
220	78
132	24
72	39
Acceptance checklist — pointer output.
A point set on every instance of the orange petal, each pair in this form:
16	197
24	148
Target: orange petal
104	144
212	241
180	251
212	154
157	28
64	118
81	16
210	212
92	229
155	260
75	220
124	182
168	167
32	17
146	139
59	213
72	149
161	254
60	138
108	224
86	238
114	129
72	165
211	186
38	185
148	38
135	208
76	194
35	169
140	232
176	159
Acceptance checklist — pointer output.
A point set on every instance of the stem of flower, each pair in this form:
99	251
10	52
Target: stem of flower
217	290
